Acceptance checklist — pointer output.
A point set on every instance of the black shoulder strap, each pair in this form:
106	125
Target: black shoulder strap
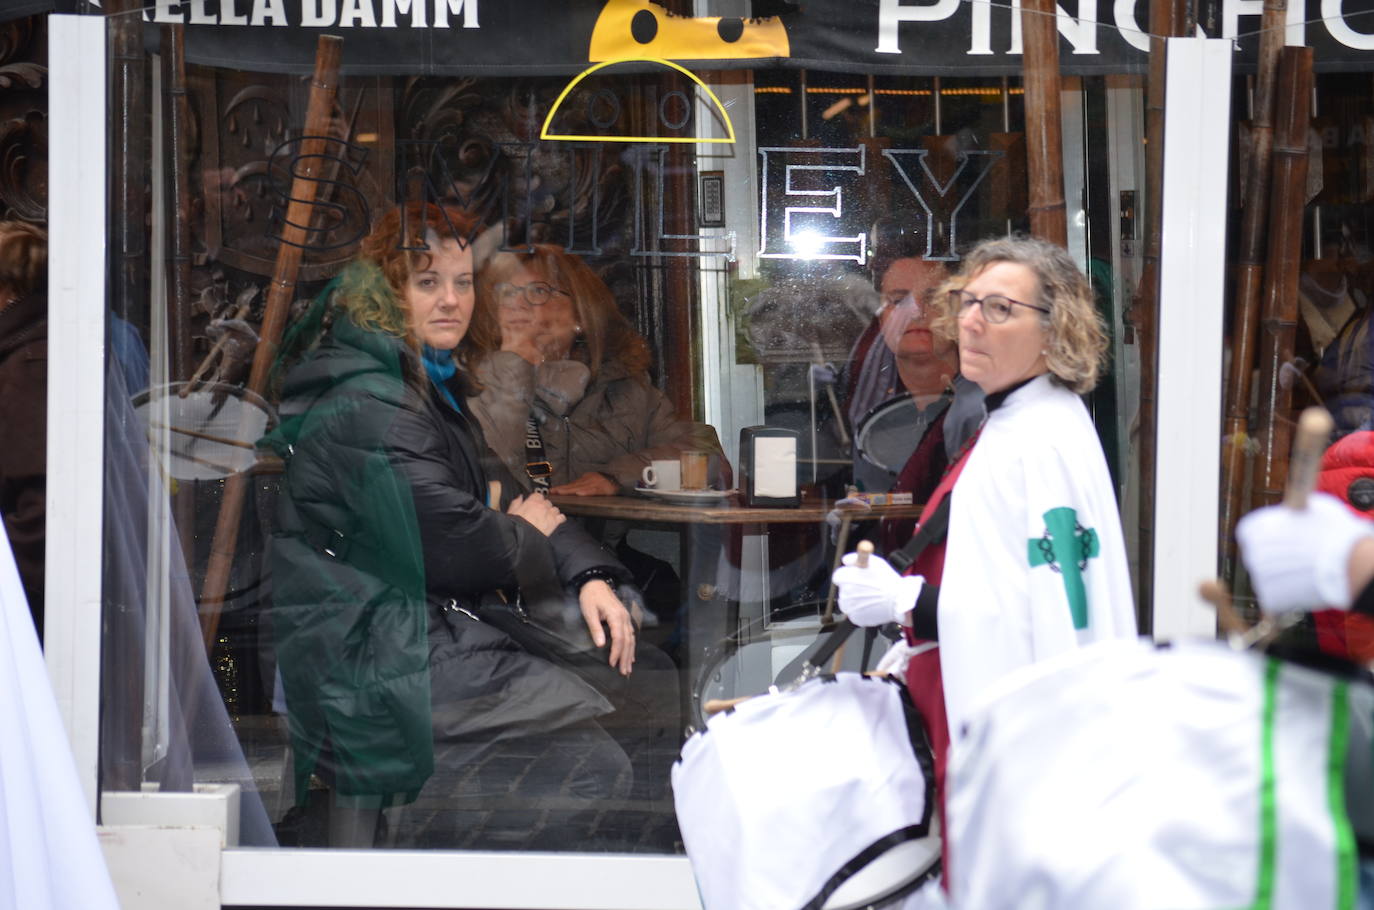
932	530
537	464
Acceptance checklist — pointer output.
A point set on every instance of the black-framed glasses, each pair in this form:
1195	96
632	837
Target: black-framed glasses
536	293
996	307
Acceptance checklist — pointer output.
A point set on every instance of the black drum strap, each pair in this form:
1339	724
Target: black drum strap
932	530
843	629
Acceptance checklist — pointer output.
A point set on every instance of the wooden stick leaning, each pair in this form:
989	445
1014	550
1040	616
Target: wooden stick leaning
847	514
324	86
1249	278
1044	134
1283	262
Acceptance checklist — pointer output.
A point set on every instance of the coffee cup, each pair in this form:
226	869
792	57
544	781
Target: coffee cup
662	474
694	473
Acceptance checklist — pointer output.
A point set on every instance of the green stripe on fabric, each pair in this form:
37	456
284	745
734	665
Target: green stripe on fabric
1346	872
1269	807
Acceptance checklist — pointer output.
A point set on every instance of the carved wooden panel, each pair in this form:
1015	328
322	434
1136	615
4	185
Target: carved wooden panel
248	152
24	119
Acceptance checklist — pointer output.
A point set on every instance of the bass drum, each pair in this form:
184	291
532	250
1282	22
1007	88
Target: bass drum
1190	775
820	797
205	434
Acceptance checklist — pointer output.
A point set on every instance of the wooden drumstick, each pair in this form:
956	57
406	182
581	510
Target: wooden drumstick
714	706
862	552
1215	593
1314	432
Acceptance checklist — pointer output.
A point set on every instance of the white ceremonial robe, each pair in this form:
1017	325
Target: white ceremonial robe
49	856
1132	777
1035	564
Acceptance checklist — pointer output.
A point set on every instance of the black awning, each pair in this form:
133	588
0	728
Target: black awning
564	37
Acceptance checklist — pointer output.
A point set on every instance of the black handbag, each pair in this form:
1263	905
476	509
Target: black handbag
485	684
553	629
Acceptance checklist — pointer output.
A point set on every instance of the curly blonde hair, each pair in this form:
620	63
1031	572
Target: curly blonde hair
608	335
1076	337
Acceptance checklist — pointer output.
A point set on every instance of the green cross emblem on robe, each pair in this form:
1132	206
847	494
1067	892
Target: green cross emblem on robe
1066	546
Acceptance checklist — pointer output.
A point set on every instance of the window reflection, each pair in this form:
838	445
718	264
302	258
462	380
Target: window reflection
403	657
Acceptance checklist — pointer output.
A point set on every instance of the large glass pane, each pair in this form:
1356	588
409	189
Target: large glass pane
378	314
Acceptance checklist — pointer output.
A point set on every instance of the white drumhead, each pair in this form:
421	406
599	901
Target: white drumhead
888	434
209	433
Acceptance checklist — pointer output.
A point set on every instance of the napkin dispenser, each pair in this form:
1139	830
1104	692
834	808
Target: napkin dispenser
768	467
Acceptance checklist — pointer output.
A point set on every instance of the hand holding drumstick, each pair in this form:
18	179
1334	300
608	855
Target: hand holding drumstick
1310	552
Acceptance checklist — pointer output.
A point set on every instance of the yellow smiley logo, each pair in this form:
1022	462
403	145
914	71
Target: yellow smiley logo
640	29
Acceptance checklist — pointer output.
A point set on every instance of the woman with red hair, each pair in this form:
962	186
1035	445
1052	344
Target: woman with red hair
388	545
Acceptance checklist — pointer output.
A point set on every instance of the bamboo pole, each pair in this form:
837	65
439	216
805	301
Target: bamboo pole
178	160
1167	18
294	234
1287	199
1249	277
1044	129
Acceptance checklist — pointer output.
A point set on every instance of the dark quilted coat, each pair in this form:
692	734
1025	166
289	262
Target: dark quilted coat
383	530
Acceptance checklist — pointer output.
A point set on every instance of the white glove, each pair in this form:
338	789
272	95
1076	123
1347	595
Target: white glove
875	595
1298	558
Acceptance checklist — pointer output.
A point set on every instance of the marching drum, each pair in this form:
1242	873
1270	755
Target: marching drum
209	433
818	797
764	654
885	438
1191	775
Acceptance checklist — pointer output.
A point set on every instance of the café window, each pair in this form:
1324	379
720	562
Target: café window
367	297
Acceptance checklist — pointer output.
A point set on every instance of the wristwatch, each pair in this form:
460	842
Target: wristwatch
596	573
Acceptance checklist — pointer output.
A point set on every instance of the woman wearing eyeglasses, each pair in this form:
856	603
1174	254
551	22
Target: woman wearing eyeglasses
1033	564
566	401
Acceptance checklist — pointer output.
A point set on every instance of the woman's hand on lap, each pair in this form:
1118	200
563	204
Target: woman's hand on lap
600	605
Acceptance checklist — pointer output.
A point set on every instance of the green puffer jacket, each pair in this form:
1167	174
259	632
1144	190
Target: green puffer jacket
383	532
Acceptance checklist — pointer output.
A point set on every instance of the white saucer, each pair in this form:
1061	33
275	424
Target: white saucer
685	496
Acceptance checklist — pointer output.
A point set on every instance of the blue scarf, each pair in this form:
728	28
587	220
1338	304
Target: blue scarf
440	367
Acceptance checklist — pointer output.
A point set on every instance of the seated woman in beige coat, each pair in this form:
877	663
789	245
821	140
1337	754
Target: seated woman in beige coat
566	400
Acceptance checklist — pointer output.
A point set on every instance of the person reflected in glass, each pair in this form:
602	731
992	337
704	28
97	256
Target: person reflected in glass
1033	563
566	402
907	405
562	371
387	546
